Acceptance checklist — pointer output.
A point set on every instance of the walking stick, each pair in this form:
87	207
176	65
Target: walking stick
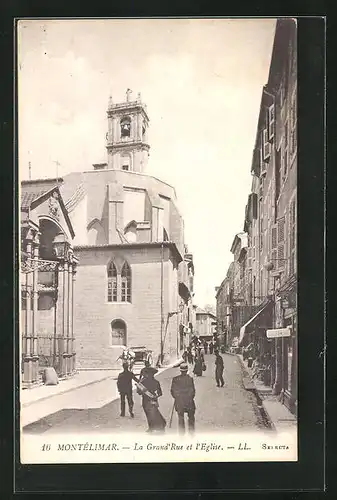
170	424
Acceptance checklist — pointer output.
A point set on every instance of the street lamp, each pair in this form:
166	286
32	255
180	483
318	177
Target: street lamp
60	246
269	266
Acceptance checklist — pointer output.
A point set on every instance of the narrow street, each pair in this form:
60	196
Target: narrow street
230	407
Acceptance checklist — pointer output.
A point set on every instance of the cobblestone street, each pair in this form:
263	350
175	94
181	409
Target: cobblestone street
217	408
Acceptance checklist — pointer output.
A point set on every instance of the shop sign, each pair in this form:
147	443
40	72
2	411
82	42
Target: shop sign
278	332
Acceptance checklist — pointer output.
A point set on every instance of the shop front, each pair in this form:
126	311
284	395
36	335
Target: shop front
257	349
288	393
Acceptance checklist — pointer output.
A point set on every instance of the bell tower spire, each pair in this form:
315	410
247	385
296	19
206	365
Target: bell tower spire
127	144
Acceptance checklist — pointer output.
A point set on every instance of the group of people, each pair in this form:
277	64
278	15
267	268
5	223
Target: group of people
182	390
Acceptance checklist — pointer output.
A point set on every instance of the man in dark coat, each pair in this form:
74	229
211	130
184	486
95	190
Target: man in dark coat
183	393
124	386
219	370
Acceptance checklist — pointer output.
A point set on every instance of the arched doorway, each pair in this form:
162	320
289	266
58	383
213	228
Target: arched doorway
118	332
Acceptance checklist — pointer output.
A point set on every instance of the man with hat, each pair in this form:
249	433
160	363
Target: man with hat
124	386
183	393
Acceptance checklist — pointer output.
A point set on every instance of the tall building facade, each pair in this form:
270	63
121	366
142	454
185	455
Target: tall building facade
134	275
268	265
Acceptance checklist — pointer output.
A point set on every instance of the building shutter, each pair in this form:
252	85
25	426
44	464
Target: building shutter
249	257
280	243
278	129
293	124
274	237
271	122
266	146
292	237
263	168
254	205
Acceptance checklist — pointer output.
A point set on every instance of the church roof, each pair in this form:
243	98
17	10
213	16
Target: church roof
39	190
32	190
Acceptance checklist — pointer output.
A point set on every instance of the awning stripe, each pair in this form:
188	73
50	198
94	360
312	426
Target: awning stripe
243	328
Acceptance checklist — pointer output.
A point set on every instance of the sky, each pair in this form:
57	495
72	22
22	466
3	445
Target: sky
201	80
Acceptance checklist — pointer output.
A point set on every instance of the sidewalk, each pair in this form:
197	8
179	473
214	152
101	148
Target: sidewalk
80	379
279	415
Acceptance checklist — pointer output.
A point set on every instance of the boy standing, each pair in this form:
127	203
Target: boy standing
219	370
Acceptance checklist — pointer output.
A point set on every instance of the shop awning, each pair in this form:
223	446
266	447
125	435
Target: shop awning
251	323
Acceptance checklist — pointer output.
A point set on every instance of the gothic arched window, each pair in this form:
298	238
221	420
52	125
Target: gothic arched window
126	283
112	282
125	126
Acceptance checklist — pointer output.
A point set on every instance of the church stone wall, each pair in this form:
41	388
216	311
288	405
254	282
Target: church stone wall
93	314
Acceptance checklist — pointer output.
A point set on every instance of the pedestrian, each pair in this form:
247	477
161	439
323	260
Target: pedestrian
198	363
150	391
144	371
189	356
124	386
185	355
219	370
206	347
211	347
183	393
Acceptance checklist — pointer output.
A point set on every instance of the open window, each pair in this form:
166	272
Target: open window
125	124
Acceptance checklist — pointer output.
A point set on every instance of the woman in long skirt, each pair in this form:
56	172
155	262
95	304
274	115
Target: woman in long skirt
155	419
197	370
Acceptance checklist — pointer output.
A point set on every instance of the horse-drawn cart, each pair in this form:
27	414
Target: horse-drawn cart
142	354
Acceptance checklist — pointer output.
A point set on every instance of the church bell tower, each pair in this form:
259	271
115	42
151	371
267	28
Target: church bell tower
127	143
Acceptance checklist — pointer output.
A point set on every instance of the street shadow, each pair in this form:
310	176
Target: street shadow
104	419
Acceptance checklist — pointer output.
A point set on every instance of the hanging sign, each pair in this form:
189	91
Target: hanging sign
278	332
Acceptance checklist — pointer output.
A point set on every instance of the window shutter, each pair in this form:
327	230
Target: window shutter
280	230
274	257
293	123
254	205
280	254
274	237
271	122
262	162
280	243
278	128
292	237
266	146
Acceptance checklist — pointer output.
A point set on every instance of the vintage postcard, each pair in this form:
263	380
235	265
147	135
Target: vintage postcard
158	248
